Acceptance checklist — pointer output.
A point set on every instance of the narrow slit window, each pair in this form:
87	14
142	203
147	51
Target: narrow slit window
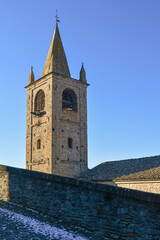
38	144
70	142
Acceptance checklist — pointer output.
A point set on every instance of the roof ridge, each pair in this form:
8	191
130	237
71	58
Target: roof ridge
156	156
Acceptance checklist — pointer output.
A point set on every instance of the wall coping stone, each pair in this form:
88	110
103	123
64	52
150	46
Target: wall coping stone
99	187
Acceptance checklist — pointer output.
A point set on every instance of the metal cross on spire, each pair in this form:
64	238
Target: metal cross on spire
57	20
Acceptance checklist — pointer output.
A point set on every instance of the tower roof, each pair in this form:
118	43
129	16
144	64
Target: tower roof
56	60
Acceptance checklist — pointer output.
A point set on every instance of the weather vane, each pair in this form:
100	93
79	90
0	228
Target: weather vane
57	20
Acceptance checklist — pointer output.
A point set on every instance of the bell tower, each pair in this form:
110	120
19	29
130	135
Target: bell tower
56	131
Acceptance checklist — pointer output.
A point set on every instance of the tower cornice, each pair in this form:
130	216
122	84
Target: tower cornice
57	75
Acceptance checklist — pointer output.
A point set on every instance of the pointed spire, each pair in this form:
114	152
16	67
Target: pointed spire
82	74
56	60
31	76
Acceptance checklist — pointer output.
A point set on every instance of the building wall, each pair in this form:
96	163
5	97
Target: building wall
69	162
39	128
55	127
145	186
109	211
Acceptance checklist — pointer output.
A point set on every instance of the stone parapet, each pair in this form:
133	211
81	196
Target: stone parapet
111	211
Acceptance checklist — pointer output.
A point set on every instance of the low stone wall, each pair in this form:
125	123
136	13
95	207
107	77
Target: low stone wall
114	212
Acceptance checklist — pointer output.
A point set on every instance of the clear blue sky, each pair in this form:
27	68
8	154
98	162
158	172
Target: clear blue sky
119	43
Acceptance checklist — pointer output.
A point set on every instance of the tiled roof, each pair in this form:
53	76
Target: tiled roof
132	169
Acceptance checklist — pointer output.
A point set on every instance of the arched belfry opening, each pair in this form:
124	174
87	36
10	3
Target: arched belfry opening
69	100
39	101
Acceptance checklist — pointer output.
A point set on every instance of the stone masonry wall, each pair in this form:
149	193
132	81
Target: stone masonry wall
151	186
113	212
55	127
69	124
39	128
146	186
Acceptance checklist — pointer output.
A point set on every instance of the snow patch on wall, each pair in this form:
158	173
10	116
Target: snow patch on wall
34	225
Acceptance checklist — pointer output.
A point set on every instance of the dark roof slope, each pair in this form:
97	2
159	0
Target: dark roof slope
131	169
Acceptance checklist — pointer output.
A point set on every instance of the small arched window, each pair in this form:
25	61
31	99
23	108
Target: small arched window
39	101
38	144
69	100
70	142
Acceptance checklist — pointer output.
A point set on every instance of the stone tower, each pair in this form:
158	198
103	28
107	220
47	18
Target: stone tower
56	135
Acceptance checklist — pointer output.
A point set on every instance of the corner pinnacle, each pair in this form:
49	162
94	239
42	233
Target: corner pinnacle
31	76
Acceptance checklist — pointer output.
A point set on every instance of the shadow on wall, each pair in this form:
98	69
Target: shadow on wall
100	208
